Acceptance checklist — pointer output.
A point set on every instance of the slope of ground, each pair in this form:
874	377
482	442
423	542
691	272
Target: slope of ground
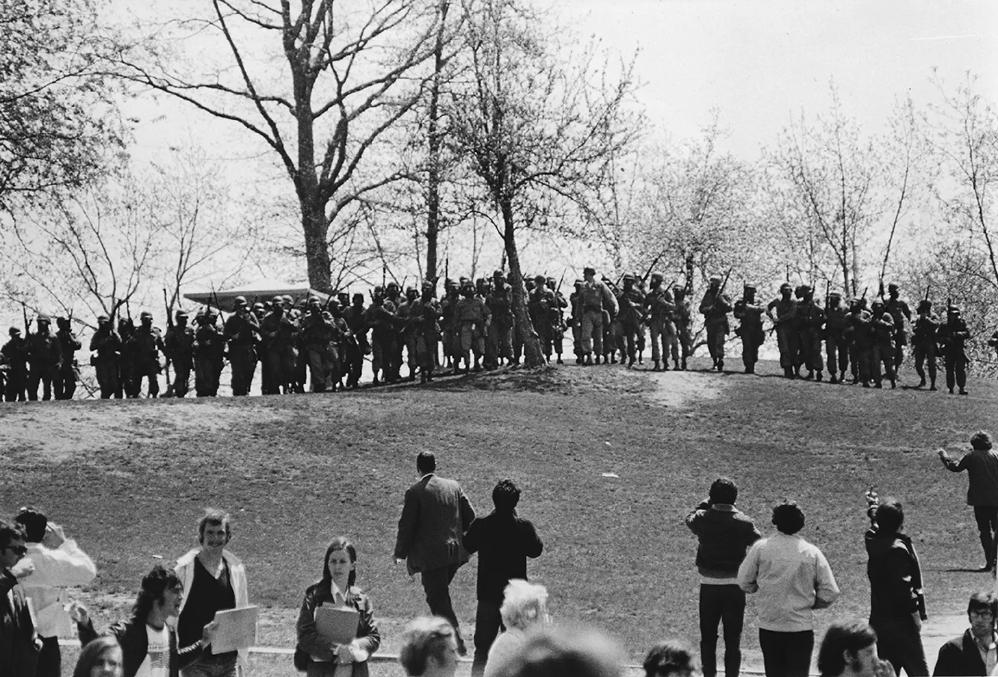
610	461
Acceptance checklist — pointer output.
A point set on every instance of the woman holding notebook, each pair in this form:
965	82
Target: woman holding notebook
336	628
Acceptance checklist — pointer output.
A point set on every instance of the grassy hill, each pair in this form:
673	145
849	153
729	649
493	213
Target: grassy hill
129	480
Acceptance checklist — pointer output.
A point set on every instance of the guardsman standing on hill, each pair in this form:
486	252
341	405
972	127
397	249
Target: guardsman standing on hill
812	319
65	382
425	313
749	312
242	331
557	319
630	300
540	301
595	298
148	344
381	317
209	355
471	317
575	320
953	337
356	349
658	314
499	341
923	343
683	318
861	334
317	332
107	345
179	349
408	334
783	322
715	306
883	345
277	333
44	359
836	338
901	313
15	353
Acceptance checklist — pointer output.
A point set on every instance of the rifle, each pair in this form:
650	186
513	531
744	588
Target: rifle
27	327
652	266
863	295
169	324
880	289
828	288
166	305
725	282
927	287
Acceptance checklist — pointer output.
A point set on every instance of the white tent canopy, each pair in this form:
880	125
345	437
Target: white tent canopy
262	290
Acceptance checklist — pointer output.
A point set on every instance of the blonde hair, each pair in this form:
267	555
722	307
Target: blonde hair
524	604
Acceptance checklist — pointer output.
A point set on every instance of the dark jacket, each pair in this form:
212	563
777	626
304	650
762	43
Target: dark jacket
367	629
503	542
131	635
960	656
434	517
19	643
894	575
725	533
982	471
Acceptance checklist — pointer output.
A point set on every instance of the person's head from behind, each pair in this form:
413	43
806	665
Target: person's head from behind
426	462
982	611
788	517
429	647
161	592
889	515
340	563
524	604
565	652
505	496
723	491
100	658
671	658
12	547
848	648
33	521
980	441
214	529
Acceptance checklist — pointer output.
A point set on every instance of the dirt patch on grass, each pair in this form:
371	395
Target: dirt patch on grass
683	389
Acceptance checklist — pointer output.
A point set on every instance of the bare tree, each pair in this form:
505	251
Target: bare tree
351	73
536	128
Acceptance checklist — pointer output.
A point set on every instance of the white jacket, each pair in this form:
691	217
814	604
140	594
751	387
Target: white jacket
237	573
55	568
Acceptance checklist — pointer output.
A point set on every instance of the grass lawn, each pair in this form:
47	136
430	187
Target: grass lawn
129	479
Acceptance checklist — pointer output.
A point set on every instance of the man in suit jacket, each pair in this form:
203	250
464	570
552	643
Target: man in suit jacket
973	653
19	643
434	518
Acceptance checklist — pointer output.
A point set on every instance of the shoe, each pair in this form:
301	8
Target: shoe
894	384
720	365
818	376
963	391
833	380
809	376
933	387
560	360
878	385
988	566
657	367
921	384
950	391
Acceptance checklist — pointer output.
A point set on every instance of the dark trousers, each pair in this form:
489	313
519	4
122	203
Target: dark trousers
899	641
987	526
786	654
721	603
488	622
49	658
181	377
435	584
956	371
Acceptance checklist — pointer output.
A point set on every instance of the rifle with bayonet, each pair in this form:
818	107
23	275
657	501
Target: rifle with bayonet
27	326
169	325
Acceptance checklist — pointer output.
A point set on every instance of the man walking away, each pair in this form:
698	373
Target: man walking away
724	534
981	464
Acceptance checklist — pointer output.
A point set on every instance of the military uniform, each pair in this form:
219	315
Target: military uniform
883	330
557	320
595	300
106	346
147	342
179	349
471	316
784	320
836	338
65	383
901	314
540	303
278	335
749	312
810	320
318	339
953	338
715	306
15	354
861	343
127	359
630	301
499	339
425	313
356	345
383	320
242	333
923	343
683	318
44	360
408	335
209	355
659	308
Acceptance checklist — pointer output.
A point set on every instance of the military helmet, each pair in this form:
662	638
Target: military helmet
877	304
786	286
578	283
14	331
749	285
892	287
656	277
258	306
953	309
924	306
834	295
277	300
588	270
539	279
714	278
497	273
103	318
357	297
145	314
44	318
427	285
628	277
183	313
551	281
239	301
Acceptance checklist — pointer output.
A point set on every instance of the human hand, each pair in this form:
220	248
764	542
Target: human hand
78	612
208	633
883	668
344	654
54	535
24	568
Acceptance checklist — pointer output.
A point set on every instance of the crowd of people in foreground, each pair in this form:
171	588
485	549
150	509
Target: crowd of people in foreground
174	623
322	346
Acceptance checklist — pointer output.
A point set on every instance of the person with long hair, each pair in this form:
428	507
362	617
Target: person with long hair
100	658
337	589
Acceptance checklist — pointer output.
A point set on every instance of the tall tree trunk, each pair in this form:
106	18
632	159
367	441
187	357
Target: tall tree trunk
313	222
434	140
533	356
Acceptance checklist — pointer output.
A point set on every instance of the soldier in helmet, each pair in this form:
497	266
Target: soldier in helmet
575	320
783	313
209	354
836	337
242	333
356	345
15	354
408	334
683	318
901	314
659	307
861	339
557	319
715	306
499	340
318	334
595	299
810	322
540	302
883	345
179	349
749	312
953	337
630	301
148	344
44	359
381	316
128	360
923	343
448	325
278	335
425	314
106	346
472	317
65	383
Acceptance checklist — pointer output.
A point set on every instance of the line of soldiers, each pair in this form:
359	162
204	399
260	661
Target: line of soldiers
42	358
